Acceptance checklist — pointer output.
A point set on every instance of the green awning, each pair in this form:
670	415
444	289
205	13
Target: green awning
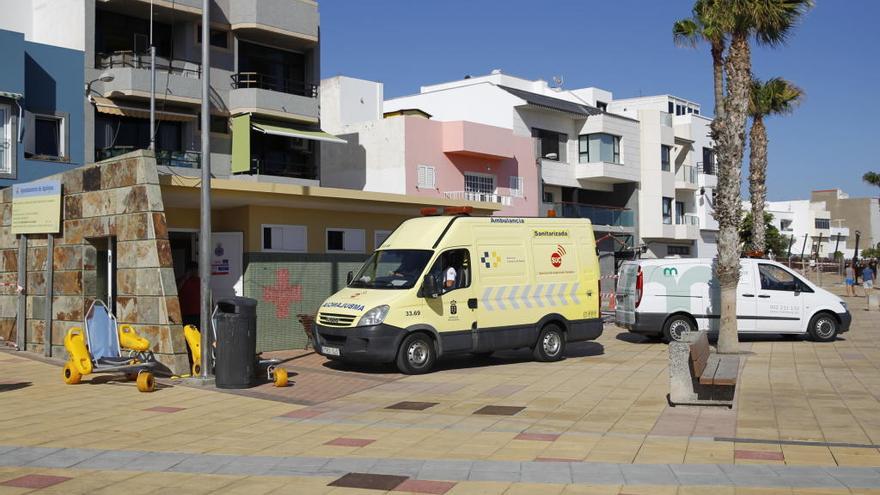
241	143
8	94
293	132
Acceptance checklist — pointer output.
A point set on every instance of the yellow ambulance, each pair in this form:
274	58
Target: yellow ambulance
441	285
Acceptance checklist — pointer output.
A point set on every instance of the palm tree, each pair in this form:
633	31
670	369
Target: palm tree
872	178
774	97
701	26
769	22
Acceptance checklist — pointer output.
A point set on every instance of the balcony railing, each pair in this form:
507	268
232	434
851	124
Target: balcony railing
133	60
284	168
5	158
688	219
686	173
185	159
479	197
599	215
707	168
245	80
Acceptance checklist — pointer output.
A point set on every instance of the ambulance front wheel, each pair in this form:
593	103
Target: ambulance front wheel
551	344
416	354
823	328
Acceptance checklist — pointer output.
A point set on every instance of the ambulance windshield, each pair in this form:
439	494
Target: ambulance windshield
392	269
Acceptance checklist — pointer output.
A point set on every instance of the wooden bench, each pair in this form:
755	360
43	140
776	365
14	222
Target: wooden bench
699	376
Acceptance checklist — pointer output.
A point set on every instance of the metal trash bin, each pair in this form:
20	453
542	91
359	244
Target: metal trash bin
235	325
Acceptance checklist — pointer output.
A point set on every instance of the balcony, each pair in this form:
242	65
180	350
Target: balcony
269	18
598	215
184	159
261	94
177	80
477	140
606	172
687	226
479	197
686	177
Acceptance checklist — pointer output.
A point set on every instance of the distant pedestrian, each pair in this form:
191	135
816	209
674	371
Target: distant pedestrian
868	284
850	280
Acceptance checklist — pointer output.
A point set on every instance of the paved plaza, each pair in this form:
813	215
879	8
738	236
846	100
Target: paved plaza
806	420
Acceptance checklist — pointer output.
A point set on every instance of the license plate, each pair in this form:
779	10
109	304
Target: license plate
332	351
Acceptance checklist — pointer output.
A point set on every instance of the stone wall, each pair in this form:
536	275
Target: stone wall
116	199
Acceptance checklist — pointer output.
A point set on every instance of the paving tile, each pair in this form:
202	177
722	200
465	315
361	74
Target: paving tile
349	442
412	406
596	473
445	470
401	467
111	460
24	455
35	481
425	486
538	437
499	410
302	414
349	465
202	463
164	409
647	474
158	461
758	455
64	458
368	481
556	459
556	472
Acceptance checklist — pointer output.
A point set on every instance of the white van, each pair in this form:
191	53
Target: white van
667	297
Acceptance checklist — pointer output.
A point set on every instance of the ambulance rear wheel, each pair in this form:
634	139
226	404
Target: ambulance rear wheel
550	345
416	354
676	327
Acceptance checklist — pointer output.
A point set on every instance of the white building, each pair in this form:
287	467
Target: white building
807	224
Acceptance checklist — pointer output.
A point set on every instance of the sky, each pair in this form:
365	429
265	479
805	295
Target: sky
625	46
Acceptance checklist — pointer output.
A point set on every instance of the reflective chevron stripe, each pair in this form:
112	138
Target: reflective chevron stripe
516	296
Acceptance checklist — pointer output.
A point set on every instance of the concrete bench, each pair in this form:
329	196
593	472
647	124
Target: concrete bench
699	376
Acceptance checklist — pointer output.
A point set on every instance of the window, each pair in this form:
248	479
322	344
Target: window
345	240
379	237
285	238
219	38
392	269
601	105
427	176
708	161
665	152
48	137
479	183
549	142
6	140
671	108
679	212
548	197
785	225
599	147
219	124
678	250
823	223
679	110
452	270
667	211
776	278
516	186
696	111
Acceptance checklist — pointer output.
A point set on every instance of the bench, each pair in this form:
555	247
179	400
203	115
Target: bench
699	376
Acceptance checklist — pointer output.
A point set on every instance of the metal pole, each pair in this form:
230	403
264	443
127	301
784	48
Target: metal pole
20	339
790	244
152	84
205	226
803	251
47	332
855	258
819	260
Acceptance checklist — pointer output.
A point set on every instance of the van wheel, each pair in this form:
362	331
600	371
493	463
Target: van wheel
416	355
823	328
676	326
550	345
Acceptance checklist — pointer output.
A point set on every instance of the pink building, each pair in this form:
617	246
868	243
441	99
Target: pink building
406	152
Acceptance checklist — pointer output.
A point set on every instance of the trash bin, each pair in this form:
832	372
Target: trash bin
235	324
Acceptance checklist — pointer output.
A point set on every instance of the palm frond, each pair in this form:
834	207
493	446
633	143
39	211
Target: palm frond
872	178
686	33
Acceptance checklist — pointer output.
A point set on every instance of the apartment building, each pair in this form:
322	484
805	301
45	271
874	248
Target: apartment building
859	214
807	224
408	152
677	176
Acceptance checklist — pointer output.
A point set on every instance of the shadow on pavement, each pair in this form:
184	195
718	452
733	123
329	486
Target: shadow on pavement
9	387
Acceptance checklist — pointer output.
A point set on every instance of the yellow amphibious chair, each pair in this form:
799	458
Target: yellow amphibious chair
99	349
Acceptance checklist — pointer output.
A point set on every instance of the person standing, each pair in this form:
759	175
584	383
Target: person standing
850	280
868	284
189	293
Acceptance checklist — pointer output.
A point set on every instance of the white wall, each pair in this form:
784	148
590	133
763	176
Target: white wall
50	22
346	100
483	103
374	159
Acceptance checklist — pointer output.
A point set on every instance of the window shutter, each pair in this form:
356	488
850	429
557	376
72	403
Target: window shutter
431	177
420	181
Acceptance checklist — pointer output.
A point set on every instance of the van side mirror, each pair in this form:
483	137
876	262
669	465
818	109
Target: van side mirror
429	287
349	278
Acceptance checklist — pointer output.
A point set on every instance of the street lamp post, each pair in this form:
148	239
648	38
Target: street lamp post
205	224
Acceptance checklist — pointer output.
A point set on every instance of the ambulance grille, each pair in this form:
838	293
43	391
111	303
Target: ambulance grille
335	320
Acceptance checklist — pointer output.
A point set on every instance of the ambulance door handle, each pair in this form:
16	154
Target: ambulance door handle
472	303
764	296
748	295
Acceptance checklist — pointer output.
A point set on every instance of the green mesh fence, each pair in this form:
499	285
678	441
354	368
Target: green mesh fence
289	287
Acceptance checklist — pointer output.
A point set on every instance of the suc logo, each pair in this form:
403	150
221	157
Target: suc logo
556	257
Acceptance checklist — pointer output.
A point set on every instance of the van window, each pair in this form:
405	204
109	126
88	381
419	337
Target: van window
776	278
452	270
392	269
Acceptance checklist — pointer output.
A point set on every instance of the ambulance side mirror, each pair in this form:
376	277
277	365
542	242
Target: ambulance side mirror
349	278
429	287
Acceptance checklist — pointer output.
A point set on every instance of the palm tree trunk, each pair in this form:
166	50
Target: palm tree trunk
718	77
758	181
731	141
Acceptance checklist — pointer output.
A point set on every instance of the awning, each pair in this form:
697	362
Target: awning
109	107
293	132
8	94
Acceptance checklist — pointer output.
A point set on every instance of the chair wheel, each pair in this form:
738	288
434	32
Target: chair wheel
71	375
145	381
196	369
131	376
279	377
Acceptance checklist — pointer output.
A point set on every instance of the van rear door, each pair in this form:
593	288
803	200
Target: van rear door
625	314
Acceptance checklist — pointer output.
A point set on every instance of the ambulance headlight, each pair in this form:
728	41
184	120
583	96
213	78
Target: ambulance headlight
374	316
845	307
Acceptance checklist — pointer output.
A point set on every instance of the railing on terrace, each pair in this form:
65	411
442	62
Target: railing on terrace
284	168
185	159
479	197
707	168
245	80
688	219
599	215
686	173
133	60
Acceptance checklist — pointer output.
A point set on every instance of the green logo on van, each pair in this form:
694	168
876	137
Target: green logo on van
670	272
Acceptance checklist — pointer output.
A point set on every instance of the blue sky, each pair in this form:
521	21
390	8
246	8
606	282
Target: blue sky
625	46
